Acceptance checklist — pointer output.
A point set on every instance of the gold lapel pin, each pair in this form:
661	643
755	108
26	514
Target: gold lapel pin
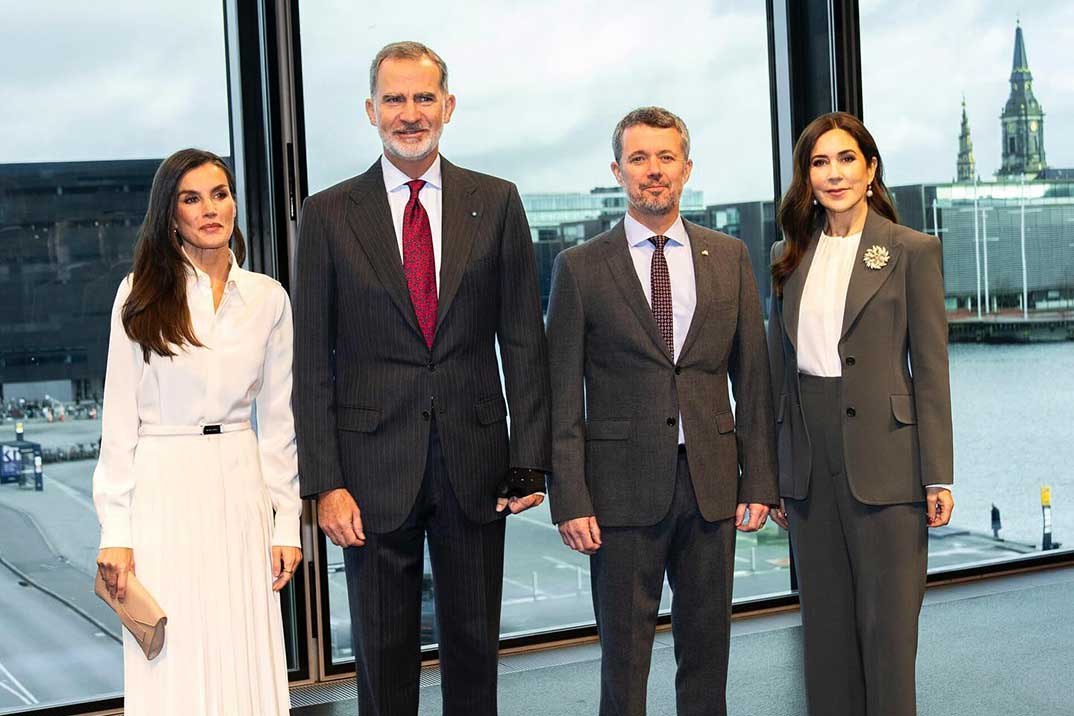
704	252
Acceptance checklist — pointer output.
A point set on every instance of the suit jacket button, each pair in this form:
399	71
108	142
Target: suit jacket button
425	415
850	360
851	412
672	422
432	367
678	370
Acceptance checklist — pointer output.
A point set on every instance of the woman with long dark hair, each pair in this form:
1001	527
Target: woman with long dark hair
189	498
858	345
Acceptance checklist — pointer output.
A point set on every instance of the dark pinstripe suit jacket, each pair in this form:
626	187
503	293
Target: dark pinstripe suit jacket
615	442
365	382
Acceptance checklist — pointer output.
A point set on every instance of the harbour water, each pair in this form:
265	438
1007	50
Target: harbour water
1013	410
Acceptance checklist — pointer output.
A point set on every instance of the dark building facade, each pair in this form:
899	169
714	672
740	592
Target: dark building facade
67	233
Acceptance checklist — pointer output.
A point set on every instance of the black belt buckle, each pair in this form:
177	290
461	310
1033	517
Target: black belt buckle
210	429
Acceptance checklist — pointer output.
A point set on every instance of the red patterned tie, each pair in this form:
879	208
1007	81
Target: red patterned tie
418	263
660	281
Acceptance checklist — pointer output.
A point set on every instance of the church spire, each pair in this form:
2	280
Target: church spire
967	167
1022	121
1020	64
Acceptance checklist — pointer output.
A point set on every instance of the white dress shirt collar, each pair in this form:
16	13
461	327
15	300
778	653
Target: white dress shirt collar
638	233
236	275
395	179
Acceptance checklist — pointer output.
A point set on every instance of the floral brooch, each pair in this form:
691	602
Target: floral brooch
876	257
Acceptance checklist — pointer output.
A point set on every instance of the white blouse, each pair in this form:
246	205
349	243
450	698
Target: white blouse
820	317
245	363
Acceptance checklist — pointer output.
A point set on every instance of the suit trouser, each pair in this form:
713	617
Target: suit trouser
384	583
861	578
628	577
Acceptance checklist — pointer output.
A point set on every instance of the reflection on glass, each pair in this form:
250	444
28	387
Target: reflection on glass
998	193
537	102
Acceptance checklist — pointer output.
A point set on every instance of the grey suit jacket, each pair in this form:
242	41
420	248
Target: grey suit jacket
617	394
365	382
896	389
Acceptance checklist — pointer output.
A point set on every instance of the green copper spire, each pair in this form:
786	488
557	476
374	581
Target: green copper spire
967	166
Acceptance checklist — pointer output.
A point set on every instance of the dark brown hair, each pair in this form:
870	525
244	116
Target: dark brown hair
799	216
156	315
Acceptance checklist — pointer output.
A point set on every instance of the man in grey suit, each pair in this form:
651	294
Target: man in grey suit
407	276
652	471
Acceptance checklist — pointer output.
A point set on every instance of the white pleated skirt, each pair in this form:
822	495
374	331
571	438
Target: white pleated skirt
202	526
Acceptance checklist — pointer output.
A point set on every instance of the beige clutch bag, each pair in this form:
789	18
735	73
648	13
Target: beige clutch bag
140	613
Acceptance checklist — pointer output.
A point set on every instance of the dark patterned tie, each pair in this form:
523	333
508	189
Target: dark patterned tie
660	281
418	262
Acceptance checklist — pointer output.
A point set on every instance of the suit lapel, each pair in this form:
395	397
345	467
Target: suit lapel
864	281
617	253
460	214
792	291
707	276
370	219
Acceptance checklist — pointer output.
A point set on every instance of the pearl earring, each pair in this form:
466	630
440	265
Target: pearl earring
814	201
869	191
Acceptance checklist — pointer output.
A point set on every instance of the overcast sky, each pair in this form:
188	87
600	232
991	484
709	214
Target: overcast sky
540	85
920	56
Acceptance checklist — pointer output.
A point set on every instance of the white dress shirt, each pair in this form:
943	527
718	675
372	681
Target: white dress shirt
430	197
245	361
820	317
680	270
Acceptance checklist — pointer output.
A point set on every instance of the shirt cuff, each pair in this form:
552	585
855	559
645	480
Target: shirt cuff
287	533
116	535
946	487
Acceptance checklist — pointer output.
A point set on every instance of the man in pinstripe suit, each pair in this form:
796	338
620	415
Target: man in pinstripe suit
407	276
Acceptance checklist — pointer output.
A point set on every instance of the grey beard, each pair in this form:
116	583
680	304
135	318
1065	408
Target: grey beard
653	207
404	152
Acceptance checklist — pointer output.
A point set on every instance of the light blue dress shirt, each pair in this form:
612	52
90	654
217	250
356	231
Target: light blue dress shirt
680	269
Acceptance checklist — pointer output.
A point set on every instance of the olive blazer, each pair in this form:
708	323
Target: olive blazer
896	406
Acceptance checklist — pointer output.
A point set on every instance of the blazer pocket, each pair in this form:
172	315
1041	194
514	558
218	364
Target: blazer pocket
359	420
725	423
608	430
491	411
902	407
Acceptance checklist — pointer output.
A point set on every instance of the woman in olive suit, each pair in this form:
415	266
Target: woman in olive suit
857	340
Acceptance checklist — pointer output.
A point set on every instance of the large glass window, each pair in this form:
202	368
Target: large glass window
973	124
540	86
95	95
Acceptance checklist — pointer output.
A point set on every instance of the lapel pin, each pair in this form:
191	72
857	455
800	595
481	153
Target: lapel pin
876	257
473	213
704	252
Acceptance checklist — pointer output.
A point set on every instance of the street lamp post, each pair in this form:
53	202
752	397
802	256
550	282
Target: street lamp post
1025	282
984	243
976	247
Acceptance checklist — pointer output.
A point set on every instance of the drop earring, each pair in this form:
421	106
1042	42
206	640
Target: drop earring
869	190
